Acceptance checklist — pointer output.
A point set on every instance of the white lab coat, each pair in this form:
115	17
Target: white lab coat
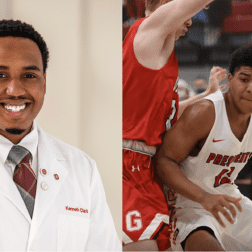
53	227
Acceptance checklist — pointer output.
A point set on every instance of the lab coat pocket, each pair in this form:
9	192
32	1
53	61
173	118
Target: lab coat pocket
72	232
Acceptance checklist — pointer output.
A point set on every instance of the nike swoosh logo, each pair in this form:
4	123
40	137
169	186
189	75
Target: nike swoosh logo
215	141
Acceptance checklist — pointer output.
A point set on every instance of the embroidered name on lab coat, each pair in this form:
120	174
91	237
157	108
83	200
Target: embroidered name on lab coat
77	209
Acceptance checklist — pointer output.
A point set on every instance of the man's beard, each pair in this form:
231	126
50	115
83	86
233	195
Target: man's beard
14	131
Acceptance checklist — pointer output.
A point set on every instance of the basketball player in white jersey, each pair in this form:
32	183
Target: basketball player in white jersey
200	158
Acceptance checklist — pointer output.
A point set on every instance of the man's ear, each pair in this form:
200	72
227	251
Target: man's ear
230	77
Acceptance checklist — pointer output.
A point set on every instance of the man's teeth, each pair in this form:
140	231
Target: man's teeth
15	108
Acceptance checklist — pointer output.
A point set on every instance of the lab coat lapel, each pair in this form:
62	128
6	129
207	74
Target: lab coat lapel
9	189
48	187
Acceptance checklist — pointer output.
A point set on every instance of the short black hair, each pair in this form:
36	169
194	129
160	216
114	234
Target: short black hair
16	28
240	57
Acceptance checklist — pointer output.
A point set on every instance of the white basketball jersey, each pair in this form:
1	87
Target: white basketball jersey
221	158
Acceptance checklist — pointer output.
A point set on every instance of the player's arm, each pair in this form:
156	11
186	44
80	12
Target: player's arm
217	74
193	126
165	20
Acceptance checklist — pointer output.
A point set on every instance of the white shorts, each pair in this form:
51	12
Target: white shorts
236	236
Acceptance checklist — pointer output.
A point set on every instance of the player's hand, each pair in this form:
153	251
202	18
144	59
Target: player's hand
217	74
215	203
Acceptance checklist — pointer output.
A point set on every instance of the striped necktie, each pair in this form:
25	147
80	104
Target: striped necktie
24	177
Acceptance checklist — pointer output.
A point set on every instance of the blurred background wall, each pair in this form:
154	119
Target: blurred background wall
83	100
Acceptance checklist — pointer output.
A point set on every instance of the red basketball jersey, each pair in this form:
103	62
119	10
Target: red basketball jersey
150	98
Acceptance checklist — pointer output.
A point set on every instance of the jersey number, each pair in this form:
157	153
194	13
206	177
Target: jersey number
223	177
133	221
173	113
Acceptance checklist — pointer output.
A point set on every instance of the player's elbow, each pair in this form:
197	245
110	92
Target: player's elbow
166	167
163	168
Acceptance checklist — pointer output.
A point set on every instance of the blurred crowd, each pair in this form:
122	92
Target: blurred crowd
223	16
212	18
186	91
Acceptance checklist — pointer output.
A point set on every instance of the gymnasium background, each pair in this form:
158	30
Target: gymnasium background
215	33
83	100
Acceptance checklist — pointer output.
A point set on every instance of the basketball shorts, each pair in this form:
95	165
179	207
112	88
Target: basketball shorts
235	237
145	211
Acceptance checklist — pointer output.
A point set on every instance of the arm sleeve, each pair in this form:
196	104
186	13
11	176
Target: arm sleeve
102	232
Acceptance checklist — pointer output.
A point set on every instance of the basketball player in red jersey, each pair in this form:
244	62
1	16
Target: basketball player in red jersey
150	106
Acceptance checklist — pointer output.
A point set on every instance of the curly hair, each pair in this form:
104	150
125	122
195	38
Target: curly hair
240	57
16	28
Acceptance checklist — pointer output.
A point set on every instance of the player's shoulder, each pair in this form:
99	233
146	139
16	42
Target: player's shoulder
152	46
200	109
199	115
134	28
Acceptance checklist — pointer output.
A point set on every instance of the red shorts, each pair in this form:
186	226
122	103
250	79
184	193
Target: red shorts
145	211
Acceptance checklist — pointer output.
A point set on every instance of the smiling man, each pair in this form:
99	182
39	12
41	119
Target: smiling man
51	194
200	159
22	85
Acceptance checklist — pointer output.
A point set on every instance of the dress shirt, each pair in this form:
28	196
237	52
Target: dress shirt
30	142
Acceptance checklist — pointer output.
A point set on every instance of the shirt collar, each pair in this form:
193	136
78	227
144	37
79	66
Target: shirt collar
5	147
30	142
